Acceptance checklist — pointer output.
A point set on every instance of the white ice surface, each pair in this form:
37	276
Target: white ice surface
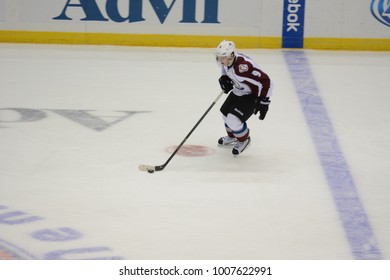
271	202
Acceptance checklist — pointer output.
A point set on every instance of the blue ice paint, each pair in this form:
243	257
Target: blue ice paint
351	211
17	252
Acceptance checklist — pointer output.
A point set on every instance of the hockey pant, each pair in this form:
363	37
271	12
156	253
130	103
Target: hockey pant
236	110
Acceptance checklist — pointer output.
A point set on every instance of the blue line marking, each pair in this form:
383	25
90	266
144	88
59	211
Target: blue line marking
351	211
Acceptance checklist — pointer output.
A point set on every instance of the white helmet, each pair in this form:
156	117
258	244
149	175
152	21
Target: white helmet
225	48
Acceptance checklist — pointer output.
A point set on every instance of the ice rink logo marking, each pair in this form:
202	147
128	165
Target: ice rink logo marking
191	150
88	118
59	242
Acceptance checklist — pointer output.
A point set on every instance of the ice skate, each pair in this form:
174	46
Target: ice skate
240	146
227	140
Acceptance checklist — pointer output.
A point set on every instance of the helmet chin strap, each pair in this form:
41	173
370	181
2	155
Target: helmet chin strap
231	60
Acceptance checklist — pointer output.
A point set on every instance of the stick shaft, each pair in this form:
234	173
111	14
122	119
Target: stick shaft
192	130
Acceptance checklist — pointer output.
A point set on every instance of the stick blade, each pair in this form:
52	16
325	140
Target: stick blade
146	168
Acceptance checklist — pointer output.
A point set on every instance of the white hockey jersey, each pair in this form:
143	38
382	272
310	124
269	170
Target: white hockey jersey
247	77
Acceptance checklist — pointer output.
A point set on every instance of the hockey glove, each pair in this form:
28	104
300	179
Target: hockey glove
226	83
261	104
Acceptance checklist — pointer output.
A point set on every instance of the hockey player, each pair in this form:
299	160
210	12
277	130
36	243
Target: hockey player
249	90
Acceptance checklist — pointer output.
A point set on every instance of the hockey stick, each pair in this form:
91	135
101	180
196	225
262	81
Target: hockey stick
151	168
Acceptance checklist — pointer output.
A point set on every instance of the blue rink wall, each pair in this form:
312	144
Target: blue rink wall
333	24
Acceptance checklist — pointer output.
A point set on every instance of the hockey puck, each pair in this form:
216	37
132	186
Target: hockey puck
150	170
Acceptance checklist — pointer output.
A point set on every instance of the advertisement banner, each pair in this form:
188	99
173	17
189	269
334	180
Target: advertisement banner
321	24
293	23
380	9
